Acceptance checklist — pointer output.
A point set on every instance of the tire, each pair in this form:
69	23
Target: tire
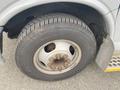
53	27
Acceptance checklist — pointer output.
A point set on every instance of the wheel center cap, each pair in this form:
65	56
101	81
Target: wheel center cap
59	62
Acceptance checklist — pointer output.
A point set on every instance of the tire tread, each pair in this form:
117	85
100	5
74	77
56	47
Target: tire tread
51	19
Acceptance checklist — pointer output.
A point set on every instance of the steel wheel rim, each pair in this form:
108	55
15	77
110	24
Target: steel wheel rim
57	57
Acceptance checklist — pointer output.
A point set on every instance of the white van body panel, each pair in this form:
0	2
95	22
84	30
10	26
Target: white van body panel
6	3
111	4
117	33
15	6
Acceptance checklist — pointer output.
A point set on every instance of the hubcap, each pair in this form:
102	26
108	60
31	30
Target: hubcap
56	57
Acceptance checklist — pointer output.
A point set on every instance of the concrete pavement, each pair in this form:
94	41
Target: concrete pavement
91	78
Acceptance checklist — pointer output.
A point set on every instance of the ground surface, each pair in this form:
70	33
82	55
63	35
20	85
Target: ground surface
91	78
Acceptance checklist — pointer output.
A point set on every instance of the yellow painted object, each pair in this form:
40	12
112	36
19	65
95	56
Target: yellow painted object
115	60
116	69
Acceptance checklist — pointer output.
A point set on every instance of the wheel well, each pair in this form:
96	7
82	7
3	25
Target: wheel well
88	14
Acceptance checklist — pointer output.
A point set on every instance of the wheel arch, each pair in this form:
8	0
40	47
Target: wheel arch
19	7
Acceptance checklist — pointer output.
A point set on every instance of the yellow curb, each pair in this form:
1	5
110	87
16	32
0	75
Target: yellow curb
115	69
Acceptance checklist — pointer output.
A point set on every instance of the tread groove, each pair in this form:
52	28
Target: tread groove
51	19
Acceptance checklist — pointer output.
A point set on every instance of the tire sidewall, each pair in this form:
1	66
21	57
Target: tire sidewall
29	45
